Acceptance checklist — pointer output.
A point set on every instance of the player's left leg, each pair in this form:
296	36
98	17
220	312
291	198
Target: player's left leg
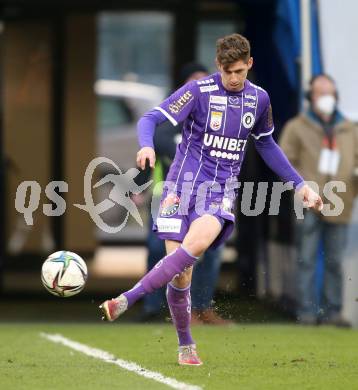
202	232
163	272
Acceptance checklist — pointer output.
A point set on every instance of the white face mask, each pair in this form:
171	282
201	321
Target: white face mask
326	104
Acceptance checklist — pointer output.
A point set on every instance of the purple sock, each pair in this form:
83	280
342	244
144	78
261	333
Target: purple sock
162	273
180	309
134	294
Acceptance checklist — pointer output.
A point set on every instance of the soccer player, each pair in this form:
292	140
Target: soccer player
219	112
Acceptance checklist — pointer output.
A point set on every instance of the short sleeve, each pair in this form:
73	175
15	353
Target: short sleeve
264	125
178	106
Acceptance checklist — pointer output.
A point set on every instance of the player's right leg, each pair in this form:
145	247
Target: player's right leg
202	233
179	303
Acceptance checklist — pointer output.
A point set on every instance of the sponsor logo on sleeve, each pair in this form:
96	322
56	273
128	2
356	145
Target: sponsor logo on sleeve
209	88
180	103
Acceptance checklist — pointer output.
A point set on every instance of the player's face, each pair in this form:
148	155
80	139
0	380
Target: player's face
233	76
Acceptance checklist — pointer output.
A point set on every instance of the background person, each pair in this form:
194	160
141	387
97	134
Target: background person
323	146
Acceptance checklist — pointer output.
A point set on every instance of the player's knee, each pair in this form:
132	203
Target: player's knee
196	247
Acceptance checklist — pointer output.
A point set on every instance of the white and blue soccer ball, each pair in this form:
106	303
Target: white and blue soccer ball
64	274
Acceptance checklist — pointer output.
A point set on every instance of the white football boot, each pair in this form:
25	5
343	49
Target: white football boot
113	308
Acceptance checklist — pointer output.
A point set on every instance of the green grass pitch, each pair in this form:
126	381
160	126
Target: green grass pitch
237	357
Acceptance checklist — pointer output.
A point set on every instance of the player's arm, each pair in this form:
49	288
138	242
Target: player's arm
176	108
277	161
145	130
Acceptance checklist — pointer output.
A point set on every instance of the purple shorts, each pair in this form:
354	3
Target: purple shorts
178	211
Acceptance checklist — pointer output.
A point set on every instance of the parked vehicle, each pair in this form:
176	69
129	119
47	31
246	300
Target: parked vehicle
120	105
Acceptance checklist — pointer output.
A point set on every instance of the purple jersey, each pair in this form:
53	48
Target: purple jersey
216	127
217	124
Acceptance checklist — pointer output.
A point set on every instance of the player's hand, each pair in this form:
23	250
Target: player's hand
310	198
146	153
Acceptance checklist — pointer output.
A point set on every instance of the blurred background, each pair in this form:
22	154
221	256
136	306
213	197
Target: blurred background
75	76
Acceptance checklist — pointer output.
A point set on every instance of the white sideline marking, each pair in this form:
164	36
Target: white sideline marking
109	358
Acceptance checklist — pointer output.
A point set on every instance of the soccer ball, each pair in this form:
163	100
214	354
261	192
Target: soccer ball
64	274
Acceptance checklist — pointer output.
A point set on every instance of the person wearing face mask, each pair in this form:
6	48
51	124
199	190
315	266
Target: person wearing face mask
323	146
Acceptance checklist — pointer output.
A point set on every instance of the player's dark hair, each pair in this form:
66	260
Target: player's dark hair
232	48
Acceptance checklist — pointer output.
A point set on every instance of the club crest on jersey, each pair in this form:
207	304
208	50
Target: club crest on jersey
169	205
216	120
248	120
